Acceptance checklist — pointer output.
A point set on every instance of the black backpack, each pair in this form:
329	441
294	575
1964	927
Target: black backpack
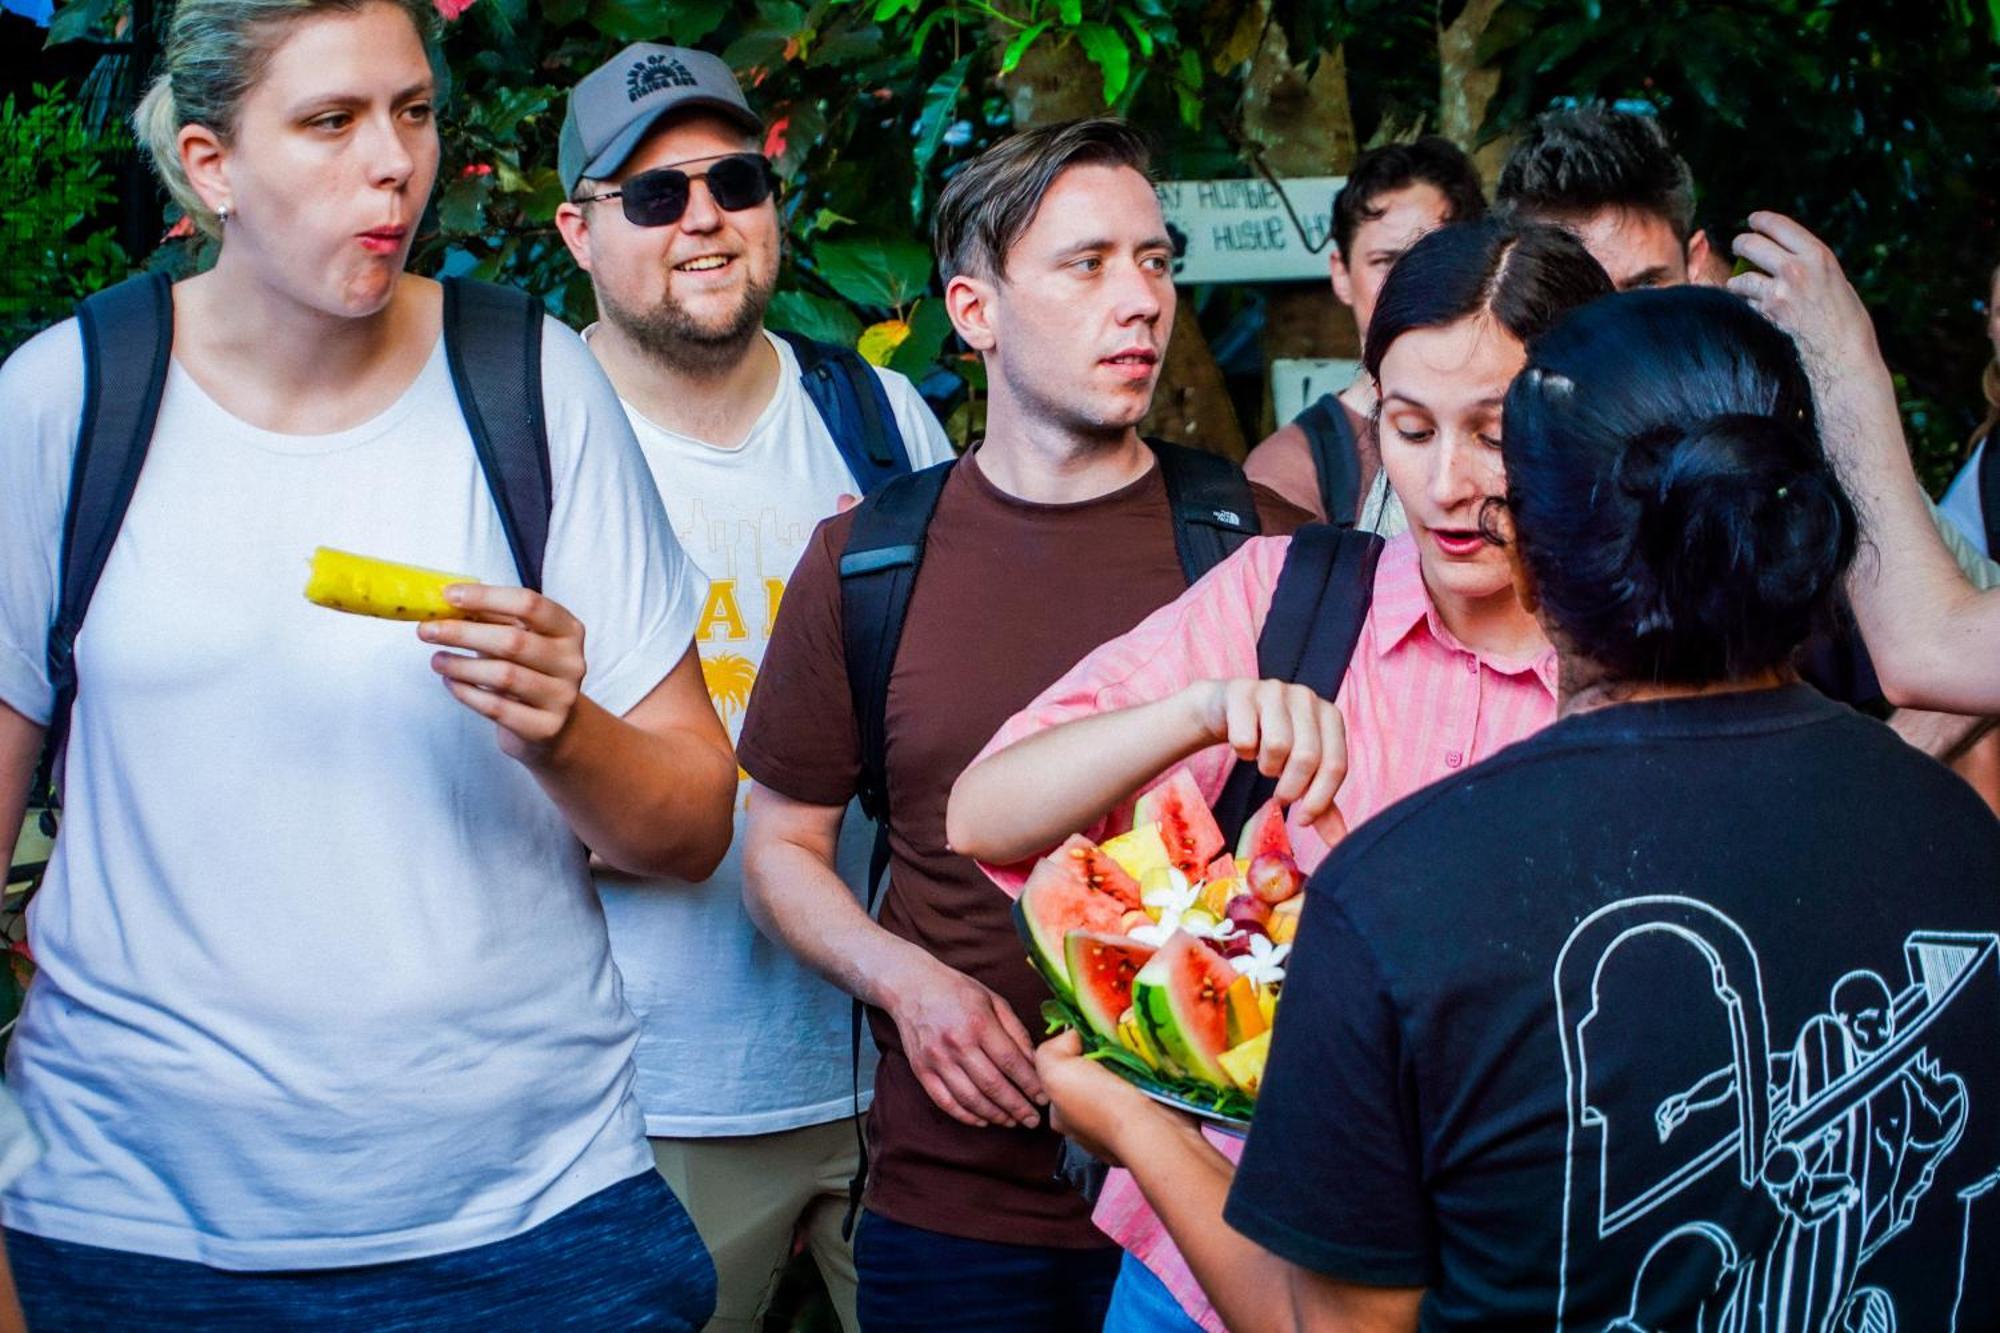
1336	457
493	344
855	407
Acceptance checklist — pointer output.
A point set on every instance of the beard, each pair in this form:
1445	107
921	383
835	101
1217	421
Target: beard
672	334
1090	431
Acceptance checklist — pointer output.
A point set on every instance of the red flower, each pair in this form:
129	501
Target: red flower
776	137
476	168
451	9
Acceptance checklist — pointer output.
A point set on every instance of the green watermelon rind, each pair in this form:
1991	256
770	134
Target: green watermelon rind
1228	1106
1153	1000
1049	963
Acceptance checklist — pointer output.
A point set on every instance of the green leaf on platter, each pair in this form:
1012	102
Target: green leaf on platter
1107	50
1071	12
930	325
875	270
1026	38
818	317
940	104
462	207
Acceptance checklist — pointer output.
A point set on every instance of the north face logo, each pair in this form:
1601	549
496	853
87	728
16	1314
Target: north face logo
655	73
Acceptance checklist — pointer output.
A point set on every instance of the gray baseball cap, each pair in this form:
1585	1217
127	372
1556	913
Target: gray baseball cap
619	102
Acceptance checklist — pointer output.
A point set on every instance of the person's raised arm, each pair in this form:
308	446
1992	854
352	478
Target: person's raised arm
964	1043
1044	787
652	792
1934	638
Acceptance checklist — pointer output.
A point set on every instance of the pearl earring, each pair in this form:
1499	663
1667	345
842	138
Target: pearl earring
222	215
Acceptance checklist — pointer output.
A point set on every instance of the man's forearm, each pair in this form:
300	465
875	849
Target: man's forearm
1945	737
798	899
649	803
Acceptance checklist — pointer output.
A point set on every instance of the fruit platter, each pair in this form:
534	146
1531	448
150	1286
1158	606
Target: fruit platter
1165	951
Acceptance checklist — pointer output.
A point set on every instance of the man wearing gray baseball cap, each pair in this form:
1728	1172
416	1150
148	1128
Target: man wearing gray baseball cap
744	1072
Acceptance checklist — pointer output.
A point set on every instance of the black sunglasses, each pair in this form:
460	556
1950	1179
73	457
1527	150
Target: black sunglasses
659	197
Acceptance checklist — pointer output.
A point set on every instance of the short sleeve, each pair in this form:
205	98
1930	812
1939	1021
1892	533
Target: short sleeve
1331	1176
1961	504
41	406
612	557
799	735
923	437
1209	632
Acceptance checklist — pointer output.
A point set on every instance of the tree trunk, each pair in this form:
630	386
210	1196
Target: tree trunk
1305	127
1466	88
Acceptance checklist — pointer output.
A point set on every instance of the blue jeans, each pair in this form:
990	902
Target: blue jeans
917	1281
1141	1303
625	1258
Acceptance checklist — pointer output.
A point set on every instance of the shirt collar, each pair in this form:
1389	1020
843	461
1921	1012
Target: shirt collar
1402	606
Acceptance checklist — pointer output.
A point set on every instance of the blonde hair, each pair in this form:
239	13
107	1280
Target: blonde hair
215	53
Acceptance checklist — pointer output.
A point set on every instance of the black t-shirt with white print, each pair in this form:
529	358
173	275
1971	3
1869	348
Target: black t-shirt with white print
1679	1015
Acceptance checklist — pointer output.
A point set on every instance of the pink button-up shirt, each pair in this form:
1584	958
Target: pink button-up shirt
1418	706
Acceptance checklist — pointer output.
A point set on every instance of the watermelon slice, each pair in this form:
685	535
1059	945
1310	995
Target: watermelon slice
1265	835
1066	892
1101	968
1186	825
1182	1000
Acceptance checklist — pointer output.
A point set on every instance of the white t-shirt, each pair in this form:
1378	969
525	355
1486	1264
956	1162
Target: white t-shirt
736	1036
323	981
1961	503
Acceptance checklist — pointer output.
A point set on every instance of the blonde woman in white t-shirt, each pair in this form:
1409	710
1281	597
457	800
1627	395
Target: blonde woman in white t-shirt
326	1029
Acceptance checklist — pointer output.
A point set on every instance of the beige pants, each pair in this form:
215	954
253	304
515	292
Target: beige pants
748	1196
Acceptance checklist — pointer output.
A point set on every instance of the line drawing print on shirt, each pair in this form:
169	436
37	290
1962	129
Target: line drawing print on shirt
1834	1141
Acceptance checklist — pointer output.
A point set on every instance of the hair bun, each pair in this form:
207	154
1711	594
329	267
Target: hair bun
1736	511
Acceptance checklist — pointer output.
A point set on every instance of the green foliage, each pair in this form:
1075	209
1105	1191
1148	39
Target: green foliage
1873	128
55	176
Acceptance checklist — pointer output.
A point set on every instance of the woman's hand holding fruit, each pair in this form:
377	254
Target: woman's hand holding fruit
1095	1108
521	663
966	1047
1290	732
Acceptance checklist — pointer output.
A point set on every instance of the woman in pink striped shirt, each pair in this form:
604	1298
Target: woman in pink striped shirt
1449	668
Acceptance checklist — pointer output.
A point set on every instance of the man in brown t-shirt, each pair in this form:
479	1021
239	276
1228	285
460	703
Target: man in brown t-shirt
1395	194
1051	536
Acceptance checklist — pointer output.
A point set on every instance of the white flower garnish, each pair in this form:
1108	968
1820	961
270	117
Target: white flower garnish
1265	963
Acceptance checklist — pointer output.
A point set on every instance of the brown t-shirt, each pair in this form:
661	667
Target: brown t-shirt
1011	594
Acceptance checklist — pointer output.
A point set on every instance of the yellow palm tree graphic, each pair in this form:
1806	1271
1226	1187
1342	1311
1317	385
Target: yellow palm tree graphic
728	677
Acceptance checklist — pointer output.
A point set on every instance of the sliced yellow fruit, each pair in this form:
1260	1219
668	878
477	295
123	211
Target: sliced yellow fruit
365	586
1140	852
1267	1004
1215	895
1245	1063
1284	921
1246	1014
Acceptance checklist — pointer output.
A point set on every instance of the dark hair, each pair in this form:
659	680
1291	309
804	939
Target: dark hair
1527	275
1581	160
985	207
1668	488
1431	160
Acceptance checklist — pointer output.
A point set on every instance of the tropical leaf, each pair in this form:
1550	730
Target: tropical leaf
875	270
940	105
818	317
1107	50
1017	48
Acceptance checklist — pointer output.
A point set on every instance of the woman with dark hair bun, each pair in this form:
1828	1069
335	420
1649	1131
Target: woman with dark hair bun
1448	667
1680	1010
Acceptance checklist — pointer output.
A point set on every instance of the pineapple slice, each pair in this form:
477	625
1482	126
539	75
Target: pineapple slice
1245	1063
365	586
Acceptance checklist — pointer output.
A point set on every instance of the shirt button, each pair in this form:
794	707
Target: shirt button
1471	666
1453	759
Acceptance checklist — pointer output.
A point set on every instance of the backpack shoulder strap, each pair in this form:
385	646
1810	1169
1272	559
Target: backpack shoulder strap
128	342
1317	613
1214	509
1989	491
493	343
878	571
855	407
1336	459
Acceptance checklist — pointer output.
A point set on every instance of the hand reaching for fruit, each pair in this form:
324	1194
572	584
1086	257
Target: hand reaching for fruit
1088	1104
969	1052
1291	733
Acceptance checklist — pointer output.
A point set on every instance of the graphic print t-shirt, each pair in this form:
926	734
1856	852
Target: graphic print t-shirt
1713	1042
736	1036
